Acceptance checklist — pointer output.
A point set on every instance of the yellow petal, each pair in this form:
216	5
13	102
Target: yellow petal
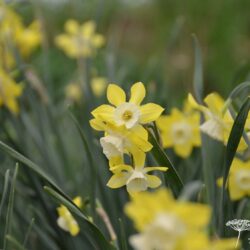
118	180
142	144
74	228
120	168
139	159
149	169
115	95
153	181
138	93
183	150
150	112
104	112
72	27
215	103
97	125
78	201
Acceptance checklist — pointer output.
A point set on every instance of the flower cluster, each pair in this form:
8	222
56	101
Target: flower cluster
66	221
123	123
15	36
180	130
166	224
79	41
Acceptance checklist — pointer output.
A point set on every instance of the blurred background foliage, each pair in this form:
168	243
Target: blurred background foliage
150	40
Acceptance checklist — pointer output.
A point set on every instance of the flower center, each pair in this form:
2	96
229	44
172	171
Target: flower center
127	115
181	132
243	179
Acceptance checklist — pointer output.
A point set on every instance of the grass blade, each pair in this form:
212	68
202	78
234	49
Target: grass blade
98	237
9	214
198	71
5	190
171	176
15	243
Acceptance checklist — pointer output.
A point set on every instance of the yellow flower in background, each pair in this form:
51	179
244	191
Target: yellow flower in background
118	140
73	92
79	40
14	34
136	178
238	179
180	131
99	85
166	224
129	114
66	221
9	92
218	120
28	38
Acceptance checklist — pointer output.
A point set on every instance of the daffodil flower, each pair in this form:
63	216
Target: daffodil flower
9	92
136	178
119	140
127	113
79	40
180	131
167	224
238	179
66	221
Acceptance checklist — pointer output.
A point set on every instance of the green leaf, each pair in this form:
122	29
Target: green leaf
198	71
91	165
239	89
124	245
98	238
9	214
5	190
34	167
171	176
15	243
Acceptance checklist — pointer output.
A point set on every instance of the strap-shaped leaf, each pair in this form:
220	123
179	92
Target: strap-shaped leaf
171	176
198	70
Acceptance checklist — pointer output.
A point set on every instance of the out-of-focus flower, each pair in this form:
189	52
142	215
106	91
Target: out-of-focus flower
98	85
238	179
9	92
118	140
66	221
28	38
129	114
136	178
73	92
79	40
166	224
180	131
218	120
14	35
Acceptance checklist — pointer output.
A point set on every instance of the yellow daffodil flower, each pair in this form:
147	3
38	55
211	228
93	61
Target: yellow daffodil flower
166	224
180	131
129	114
73	92
28	38
79	40
136	178
66	221
238	179
9	92
218	120
98	85
118	140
